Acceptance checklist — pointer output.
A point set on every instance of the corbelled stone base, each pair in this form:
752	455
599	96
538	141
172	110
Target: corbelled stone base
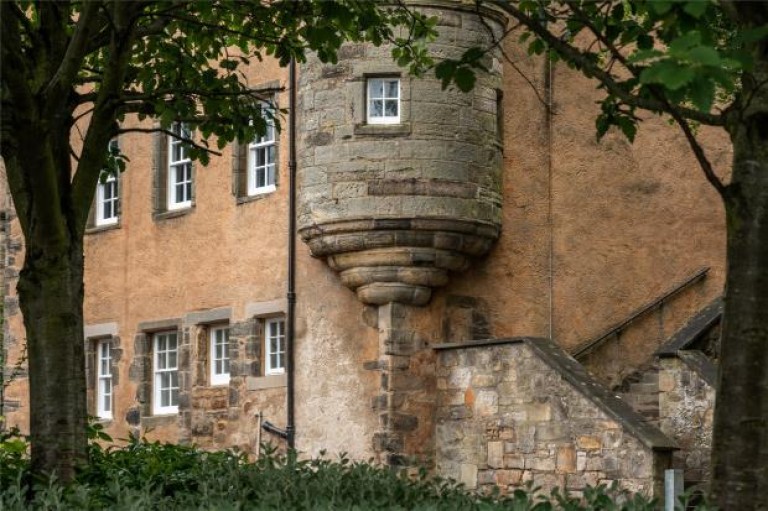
399	260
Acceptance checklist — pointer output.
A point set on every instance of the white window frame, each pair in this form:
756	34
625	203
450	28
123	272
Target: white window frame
263	144
184	163
104	400
274	330
377	92
102	200
161	366
219	361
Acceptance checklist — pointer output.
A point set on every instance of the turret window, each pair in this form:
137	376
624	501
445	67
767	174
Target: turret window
383	105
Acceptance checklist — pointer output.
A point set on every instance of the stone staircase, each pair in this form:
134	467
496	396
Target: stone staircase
640	390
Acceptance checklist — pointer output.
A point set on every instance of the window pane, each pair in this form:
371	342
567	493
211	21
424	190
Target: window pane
390	109
172	341
260	178
375	88
261	155
273	361
172	359
174	397
377	108
393	88
225	364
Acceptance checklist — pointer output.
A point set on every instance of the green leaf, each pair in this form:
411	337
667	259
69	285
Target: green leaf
682	44
696	8
644	42
668	73
660	7
641	55
705	55
702	93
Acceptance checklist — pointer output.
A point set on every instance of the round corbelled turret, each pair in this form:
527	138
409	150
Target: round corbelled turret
400	180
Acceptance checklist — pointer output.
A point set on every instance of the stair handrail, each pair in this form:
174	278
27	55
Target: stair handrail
589	346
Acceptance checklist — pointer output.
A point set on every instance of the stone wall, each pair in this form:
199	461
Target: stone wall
686	412
514	411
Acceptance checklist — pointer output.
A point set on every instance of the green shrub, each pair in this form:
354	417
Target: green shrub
146	475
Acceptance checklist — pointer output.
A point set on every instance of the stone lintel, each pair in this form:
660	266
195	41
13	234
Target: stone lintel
160	324
208	316
100	330
254	309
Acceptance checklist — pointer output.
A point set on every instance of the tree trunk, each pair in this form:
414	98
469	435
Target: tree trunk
51	299
740	446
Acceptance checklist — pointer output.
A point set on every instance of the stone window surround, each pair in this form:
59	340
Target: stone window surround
157	407
172	204
93	335
160	179
103	376
360	106
203	322
218	378
145	358
263	143
267	339
270	91
383	118
261	312
92	225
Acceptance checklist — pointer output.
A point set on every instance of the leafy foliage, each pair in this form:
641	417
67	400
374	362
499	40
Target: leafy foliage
152	475
682	58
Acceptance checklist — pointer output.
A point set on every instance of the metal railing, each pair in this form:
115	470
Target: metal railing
615	330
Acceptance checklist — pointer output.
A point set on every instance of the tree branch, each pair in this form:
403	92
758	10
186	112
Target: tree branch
64	77
589	67
170	133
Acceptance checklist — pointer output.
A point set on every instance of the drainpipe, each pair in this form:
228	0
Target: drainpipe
291	296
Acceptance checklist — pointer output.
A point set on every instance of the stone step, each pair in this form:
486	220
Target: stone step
644	388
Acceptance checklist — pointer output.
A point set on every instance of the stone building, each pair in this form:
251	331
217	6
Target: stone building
457	252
